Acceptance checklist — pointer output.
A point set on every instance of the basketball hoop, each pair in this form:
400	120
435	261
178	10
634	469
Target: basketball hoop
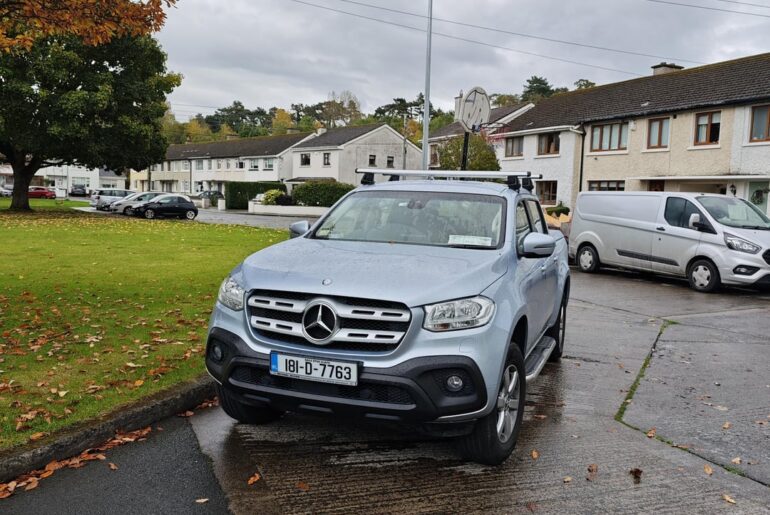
473	109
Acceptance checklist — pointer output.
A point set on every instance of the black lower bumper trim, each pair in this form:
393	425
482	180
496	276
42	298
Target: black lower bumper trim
413	391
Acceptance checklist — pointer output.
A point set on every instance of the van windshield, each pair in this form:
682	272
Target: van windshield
418	218
735	212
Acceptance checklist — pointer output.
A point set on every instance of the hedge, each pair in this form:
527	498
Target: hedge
238	194
320	193
561	209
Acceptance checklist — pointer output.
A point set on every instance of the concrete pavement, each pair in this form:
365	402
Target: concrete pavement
573	420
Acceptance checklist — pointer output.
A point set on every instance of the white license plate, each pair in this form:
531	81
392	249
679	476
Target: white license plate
314	369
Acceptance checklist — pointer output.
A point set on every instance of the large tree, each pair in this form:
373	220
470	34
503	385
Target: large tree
66	102
481	155
23	22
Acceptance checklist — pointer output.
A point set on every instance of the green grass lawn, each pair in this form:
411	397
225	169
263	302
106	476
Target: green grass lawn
99	311
47	204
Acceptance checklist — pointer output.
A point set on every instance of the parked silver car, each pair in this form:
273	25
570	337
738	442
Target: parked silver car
709	239
102	198
429	302
126	205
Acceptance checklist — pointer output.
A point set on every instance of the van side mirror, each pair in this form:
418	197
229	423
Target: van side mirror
694	222
537	245
297	229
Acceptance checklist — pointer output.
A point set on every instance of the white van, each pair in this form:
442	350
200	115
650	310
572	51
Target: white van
709	239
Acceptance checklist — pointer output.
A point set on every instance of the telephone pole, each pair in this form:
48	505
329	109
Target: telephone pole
426	107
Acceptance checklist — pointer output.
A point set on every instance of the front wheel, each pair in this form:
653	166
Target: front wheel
588	259
558	329
149	214
494	436
190	215
128	211
242	412
703	276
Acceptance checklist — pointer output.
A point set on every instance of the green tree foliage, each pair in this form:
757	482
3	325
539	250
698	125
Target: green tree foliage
481	155
441	120
584	84
538	88
504	99
70	103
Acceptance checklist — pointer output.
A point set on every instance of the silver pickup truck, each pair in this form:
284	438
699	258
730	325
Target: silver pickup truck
424	301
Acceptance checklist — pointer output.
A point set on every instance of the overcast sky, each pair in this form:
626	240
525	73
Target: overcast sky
278	52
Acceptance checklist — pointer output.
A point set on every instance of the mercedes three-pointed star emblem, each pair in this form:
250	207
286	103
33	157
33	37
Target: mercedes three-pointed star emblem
319	322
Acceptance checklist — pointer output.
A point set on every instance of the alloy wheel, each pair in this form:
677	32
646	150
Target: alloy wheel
508	403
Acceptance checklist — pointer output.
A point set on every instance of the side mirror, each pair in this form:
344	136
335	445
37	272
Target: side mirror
694	222
537	245
297	229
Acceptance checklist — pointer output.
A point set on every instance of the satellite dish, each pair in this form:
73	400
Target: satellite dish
473	109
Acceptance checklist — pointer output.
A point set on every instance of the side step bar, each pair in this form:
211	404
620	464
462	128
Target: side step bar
538	357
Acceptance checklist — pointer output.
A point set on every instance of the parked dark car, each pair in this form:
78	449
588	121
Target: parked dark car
168	206
40	192
212	195
78	191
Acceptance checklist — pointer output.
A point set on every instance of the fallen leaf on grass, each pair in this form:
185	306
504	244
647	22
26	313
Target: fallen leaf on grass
567	479
253	479
727	425
535	455
202	501
138	383
727	498
186	414
37	436
593	470
736	460
651	433
132	365
707	469
637	473
62	393
303	486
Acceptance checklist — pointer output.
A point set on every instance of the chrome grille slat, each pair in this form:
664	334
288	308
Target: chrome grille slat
358	336
290	305
369	313
276	326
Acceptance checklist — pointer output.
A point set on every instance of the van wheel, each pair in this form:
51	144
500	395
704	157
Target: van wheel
557	330
494	436
244	413
588	259
703	276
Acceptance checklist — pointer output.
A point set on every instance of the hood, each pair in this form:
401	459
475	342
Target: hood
412	274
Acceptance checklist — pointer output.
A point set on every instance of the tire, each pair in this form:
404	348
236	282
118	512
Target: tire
190	215
558	329
587	259
486	444
244	413
149	214
128	211
703	276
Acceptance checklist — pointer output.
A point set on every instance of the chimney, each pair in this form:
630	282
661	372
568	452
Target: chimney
664	67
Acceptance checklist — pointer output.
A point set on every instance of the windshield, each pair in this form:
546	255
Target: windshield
420	218
735	212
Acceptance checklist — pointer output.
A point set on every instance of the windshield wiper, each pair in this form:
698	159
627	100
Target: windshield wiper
759	227
469	246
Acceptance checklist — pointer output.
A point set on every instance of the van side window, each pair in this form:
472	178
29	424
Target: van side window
678	211
536	215
523	226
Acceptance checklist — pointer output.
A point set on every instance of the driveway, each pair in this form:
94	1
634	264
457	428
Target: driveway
652	375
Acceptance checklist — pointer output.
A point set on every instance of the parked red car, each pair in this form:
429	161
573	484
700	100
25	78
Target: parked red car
40	192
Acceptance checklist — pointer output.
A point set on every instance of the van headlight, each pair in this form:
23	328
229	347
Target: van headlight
735	243
458	314
231	294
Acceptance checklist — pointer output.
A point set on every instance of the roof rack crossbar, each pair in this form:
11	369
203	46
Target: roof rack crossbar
431	174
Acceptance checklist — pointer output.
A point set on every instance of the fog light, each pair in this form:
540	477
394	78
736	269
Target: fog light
745	270
454	383
216	352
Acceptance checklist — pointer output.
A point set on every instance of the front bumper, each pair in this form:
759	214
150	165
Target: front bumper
412	391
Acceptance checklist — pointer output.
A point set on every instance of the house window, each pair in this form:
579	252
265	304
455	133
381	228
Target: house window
657	133
548	144
185	165
546	192
327	159
609	136
707	128
391	163
227	164
209	163
656	185
240	164
760	123
254	164
199	164
219	164
514	147
434	155
372	160
268	164
606	185
304	159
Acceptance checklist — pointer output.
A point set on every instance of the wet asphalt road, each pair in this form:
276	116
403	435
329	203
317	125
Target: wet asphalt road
707	369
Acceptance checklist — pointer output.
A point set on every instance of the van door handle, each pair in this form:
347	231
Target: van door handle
662	229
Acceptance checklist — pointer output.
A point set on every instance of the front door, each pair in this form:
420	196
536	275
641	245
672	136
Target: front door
675	243
529	275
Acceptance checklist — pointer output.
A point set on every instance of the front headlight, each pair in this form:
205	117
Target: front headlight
741	245
458	314
231	294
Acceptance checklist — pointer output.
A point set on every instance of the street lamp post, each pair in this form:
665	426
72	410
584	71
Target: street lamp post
426	106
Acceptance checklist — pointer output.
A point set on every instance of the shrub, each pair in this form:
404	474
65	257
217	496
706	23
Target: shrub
320	193
555	211
284	200
238	194
270	197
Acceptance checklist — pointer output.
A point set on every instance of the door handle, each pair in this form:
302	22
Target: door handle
661	229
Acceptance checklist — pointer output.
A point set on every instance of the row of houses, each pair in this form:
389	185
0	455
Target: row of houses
704	129
65	177
332	154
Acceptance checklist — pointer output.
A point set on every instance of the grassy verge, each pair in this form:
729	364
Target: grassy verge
47	204
97	312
